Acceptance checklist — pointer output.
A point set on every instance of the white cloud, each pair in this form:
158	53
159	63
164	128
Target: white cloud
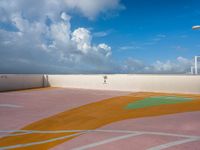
53	44
40	47
104	49
65	16
60	32
180	65
101	34
51	8
132	65
130	47
82	39
92	9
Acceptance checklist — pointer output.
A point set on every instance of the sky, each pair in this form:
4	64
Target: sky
98	36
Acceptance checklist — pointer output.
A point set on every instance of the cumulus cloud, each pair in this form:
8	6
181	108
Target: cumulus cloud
179	66
132	65
93	9
52	8
65	16
104	49
44	39
82	39
60	32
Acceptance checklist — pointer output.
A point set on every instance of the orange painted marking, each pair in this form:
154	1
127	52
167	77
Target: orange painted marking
95	115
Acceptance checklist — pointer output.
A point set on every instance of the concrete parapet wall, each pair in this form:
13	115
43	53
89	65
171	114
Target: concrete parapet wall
19	82
121	82
125	82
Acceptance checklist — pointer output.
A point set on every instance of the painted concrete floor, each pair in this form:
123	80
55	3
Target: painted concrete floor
31	114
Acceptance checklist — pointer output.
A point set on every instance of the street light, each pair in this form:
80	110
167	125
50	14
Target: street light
196	27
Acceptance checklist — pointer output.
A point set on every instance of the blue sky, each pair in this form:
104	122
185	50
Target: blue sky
98	36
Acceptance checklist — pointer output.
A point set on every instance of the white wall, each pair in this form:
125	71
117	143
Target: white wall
18	82
149	83
146	83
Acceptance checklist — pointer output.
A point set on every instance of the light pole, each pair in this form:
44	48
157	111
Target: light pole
197	27
196	64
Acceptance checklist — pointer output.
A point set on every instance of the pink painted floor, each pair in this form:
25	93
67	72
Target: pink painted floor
38	104
180	124
18	109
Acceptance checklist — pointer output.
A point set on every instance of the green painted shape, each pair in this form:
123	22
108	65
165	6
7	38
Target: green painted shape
155	101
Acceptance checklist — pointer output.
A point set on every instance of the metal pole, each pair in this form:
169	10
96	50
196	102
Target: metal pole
197	27
196	64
